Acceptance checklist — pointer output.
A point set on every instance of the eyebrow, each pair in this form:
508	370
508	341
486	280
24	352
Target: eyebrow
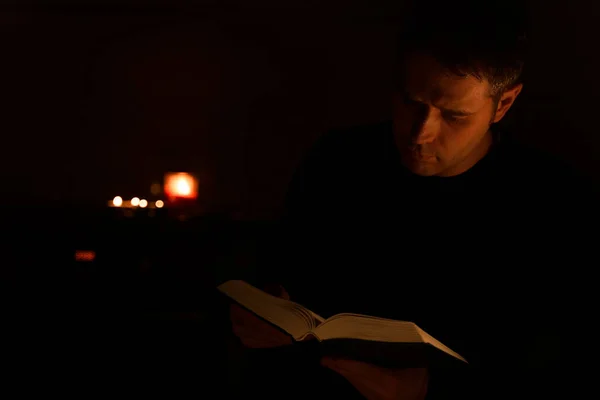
460	113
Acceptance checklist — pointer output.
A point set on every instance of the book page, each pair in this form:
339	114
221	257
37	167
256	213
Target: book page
427	338
355	326
287	315
363	327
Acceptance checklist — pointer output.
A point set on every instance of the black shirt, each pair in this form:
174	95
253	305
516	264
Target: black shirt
477	260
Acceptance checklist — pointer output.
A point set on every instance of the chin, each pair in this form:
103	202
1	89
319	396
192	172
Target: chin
423	171
422	168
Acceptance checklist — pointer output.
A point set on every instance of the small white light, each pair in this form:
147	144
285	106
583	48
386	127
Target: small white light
117	201
135	202
143	203
159	204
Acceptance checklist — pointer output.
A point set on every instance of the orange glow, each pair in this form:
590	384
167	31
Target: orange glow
181	185
159	204
143	203
85	255
155	188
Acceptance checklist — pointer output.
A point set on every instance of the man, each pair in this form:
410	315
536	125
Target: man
439	218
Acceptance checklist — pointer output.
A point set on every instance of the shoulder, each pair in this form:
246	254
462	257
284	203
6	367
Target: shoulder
542	173
342	152
340	143
334	161
530	162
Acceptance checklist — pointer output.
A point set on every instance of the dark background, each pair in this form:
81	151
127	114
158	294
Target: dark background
100	99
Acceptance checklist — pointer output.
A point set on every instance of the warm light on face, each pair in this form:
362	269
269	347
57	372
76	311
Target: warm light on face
135	201
181	185
118	201
143	203
159	204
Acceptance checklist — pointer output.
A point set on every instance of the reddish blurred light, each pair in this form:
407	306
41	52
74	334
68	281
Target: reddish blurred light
181	185
85	255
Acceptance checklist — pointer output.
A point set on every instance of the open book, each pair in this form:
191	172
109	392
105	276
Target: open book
370	338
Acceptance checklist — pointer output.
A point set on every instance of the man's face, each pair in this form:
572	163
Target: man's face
441	121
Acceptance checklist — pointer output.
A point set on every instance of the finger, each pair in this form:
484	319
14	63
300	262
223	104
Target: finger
277	291
355	367
378	383
372	387
283	293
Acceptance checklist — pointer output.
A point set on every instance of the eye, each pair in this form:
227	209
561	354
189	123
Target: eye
455	118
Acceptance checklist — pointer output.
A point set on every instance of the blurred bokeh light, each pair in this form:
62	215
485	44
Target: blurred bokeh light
182	185
85	255
117	201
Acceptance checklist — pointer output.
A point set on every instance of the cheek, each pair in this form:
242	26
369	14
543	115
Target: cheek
454	138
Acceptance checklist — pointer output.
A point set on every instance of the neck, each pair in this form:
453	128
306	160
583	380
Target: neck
473	157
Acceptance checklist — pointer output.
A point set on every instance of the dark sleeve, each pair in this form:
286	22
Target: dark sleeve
575	289
267	254
563	295
313	188
310	195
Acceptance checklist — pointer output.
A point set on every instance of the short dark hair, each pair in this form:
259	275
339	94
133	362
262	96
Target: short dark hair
487	39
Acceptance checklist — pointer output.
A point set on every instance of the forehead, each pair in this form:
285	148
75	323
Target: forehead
427	80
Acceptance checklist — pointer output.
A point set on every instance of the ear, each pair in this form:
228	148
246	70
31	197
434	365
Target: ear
506	101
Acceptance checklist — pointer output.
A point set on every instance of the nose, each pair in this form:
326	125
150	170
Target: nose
424	129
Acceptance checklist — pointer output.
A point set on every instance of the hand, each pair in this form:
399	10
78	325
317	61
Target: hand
255	332
378	383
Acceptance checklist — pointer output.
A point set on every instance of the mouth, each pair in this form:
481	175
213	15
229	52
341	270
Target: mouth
422	157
